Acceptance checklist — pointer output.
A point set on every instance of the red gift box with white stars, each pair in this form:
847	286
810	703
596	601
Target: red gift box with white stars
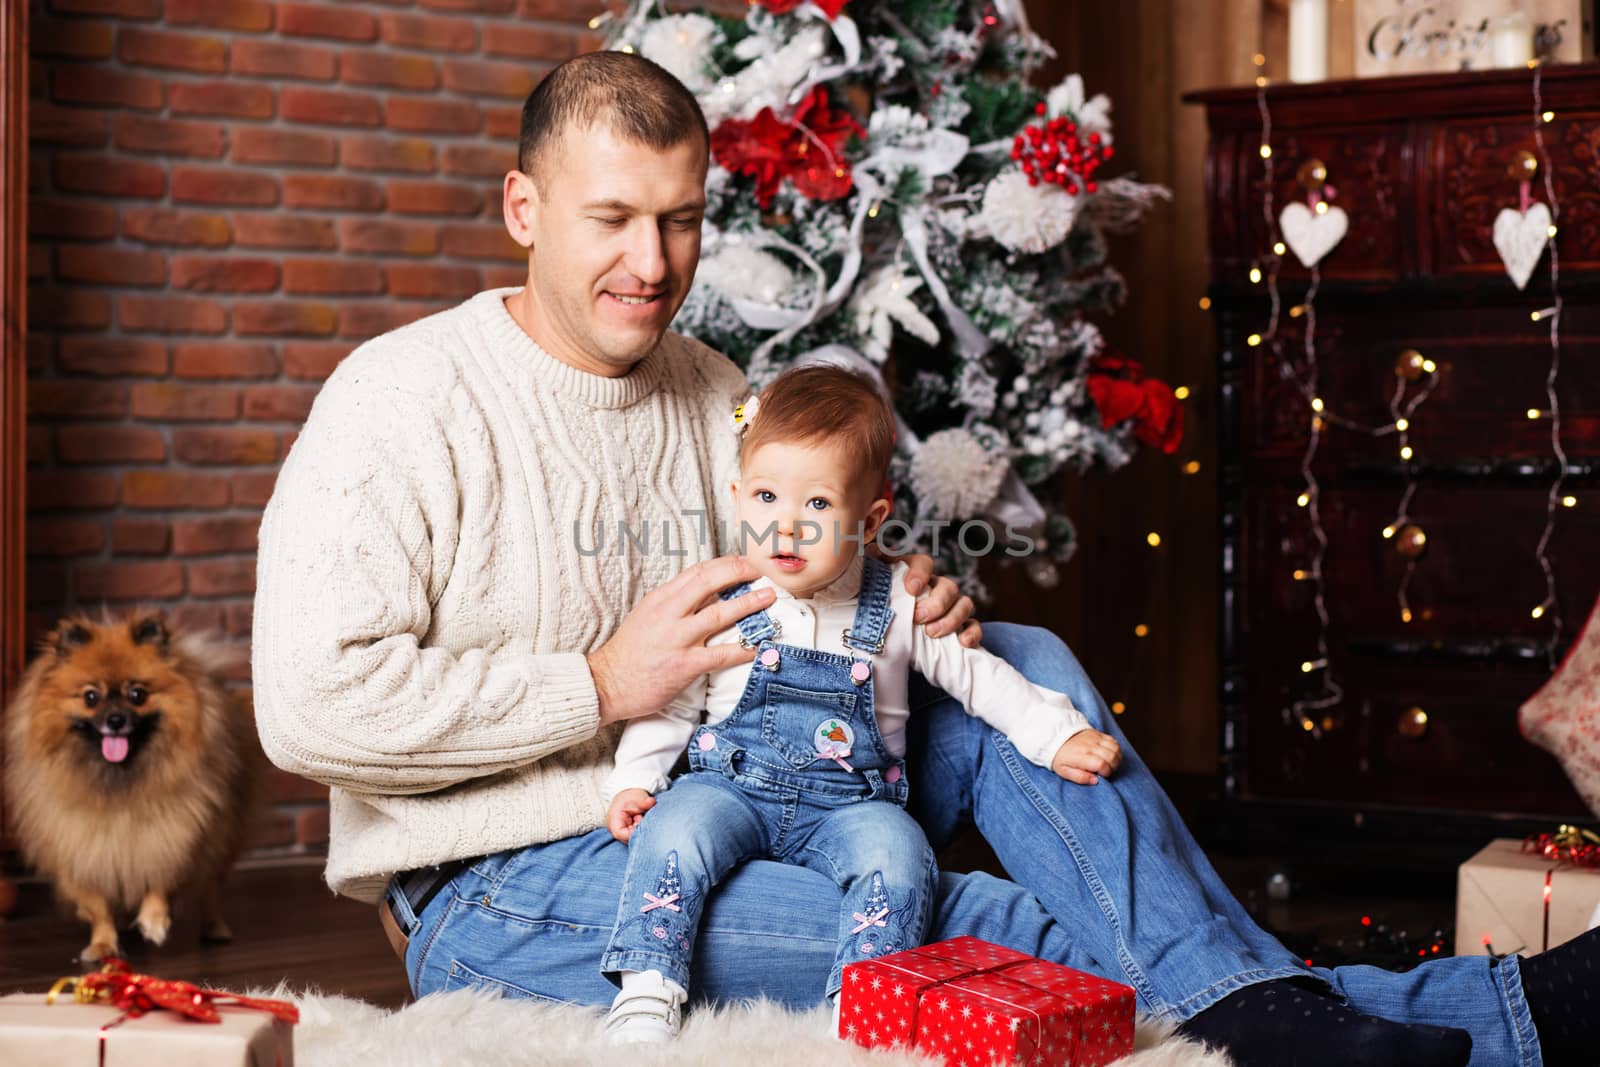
975	1004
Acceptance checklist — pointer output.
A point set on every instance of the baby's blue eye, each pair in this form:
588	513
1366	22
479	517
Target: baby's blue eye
817	503
766	496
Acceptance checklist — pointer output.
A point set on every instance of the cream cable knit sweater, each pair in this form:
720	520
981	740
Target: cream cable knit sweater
428	580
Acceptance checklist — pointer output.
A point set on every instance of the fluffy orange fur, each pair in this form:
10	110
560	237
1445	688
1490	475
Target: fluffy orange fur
168	819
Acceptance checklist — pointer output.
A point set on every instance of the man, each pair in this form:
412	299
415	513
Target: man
452	616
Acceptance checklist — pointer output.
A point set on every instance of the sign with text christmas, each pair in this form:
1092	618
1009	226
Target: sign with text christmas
1419	36
974	1003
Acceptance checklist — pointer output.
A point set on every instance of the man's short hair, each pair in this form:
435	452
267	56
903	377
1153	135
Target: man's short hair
633	96
824	403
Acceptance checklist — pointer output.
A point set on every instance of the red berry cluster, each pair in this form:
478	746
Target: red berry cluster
1054	153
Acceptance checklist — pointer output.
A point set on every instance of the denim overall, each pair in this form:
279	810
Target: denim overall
798	772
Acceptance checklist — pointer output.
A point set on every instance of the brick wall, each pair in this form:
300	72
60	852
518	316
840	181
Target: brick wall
226	197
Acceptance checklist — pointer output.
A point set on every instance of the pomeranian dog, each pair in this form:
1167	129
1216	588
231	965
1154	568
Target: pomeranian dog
130	773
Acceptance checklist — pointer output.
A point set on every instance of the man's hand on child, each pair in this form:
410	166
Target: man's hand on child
1087	756
626	809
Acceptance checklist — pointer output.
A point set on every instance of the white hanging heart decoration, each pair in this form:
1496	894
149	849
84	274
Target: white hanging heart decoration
1520	237
1310	234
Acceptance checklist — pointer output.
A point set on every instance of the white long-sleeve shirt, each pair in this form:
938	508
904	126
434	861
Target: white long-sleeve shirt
1037	720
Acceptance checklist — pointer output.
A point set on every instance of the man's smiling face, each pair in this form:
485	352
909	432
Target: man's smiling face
615	238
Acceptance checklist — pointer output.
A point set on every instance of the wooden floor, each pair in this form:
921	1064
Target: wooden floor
288	927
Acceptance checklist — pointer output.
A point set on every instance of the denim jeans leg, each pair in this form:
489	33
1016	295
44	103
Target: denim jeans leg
877	855
698	831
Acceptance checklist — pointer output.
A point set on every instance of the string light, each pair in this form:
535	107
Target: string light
1181	392
1192	467
1153	539
1205	303
1553	315
1141	630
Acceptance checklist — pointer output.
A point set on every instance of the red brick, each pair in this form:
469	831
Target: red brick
170	137
159	489
153	580
480	7
194	617
104	87
235	99
223	360
431	281
46	584
312	361
283	231
239	620
223	185
38	261
166	400
71	491
255	144
329	107
379	153
83	220
108	176
172	51
311	826
398	238
270	829
253	488
430	115
527	42
99	265
100	444
38	172
249	16
313	276
80	126
504	277
39	451
429	33
434	198
480	78
223	577
278	403
166	227
332	191
289	439
215	274
171	314
283	59
214	536
486	241
283	318
371	318
225	446
285	788
69	309
81	400
139	537
70	38
484	161
503	123
65	537
323	20
595	41
112	357
388	69
122	9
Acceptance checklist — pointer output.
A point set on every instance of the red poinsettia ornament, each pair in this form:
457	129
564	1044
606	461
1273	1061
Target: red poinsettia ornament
808	150
831	8
1120	390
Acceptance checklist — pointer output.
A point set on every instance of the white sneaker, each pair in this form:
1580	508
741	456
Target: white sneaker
648	1011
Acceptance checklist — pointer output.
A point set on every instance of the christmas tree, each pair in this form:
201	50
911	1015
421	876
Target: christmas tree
889	191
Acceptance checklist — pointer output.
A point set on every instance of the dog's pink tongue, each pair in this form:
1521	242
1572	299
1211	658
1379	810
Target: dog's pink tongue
114	749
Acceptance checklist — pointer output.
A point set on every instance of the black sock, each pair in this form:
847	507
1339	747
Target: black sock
1285	1024
1559	985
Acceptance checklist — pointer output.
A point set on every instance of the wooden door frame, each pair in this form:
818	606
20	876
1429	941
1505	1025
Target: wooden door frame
13	343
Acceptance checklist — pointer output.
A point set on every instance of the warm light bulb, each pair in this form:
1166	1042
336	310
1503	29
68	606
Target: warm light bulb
1303	499
1118	708
1259	59
1536	316
1296	311
1307	725
628	48
1192	467
1569	501
1405	452
1533	413
1261	81
1322	208
1402	425
1388	532
1279	248
1266	151
1255	275
1153	539
1429	366
1316	403
1405	614
1181	392
1550	232
1205	303
1538	612
1253	340
1141	630
1549	116
1301	575
872	212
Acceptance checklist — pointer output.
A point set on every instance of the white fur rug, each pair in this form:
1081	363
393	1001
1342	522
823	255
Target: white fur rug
469	1028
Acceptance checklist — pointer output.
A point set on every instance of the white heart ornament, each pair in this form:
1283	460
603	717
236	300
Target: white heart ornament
1312	235
1520	237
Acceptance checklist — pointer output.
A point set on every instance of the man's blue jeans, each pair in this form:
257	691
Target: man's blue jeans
1108	880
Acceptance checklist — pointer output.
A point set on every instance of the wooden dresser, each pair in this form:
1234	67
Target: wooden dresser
1424	745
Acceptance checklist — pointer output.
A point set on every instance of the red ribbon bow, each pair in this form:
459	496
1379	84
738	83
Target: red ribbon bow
136	994
1568	844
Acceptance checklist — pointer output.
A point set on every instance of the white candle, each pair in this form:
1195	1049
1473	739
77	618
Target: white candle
1308	40
1511	40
